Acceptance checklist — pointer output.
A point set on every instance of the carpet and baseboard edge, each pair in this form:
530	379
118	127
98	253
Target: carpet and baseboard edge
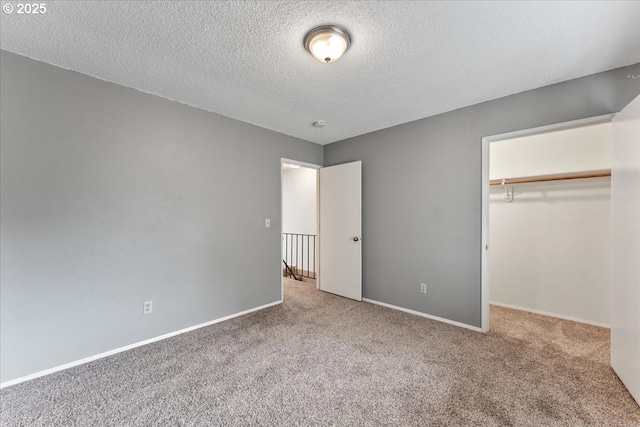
428	316
549	314
130	346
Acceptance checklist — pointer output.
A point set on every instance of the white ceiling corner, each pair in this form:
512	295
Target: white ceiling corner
408	60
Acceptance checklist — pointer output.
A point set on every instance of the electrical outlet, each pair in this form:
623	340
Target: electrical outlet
147	307
423	288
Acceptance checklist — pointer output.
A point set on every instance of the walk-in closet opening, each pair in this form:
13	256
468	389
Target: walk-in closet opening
300	222
549	225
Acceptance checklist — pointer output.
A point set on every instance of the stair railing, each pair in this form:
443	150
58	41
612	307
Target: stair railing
299	254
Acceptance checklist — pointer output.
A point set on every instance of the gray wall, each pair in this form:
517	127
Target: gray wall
111	197
422	190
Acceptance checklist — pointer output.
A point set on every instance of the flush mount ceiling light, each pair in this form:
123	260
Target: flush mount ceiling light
327	43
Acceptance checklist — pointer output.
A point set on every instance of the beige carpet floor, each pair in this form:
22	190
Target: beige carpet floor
320	359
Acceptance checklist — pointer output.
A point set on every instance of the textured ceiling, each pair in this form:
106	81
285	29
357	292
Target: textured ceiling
408	60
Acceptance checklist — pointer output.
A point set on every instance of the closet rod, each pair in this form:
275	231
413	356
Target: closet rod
557	177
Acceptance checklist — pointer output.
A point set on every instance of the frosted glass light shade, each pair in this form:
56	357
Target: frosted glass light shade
327	43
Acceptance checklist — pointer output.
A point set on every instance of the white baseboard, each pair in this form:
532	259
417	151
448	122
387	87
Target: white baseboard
546	313
428	316
130	346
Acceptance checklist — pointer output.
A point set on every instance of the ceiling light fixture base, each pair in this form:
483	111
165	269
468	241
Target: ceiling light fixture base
327	43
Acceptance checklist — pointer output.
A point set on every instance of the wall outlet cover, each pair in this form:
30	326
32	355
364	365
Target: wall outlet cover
147	307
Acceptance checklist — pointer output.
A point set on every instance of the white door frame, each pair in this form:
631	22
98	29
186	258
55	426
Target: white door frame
317	168
484	289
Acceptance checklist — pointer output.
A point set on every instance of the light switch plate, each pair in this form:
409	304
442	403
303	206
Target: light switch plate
267	223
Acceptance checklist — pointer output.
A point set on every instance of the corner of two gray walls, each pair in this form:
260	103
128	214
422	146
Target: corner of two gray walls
111	197
422	190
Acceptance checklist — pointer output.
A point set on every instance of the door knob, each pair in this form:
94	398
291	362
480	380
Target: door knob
355	239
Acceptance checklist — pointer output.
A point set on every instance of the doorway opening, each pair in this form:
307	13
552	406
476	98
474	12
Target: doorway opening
299	222
546	221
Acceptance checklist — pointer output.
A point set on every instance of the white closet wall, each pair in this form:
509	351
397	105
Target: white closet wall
585	148
550	248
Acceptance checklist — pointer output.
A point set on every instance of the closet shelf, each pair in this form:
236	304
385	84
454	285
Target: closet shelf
555	177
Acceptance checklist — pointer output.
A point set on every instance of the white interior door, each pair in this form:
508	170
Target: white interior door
625	255
341	230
